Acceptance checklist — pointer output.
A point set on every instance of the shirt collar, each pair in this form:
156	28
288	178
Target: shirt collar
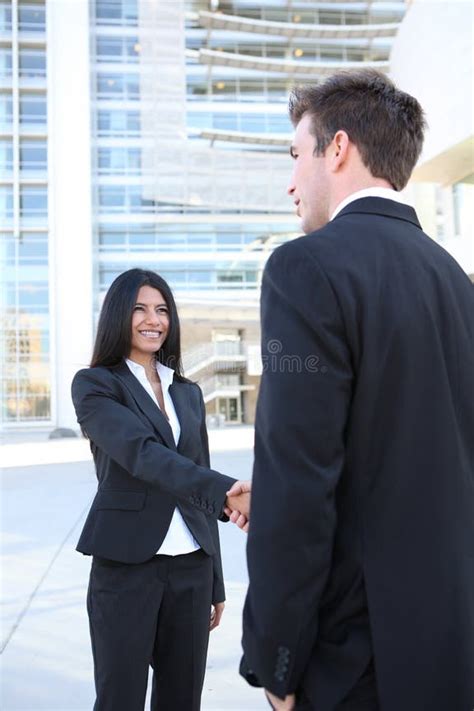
166	374
386	193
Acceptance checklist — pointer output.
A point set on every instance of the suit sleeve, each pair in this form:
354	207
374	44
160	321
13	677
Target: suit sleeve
218	592
299	456
120	433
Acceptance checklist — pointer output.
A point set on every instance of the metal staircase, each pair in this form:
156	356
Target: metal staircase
217	366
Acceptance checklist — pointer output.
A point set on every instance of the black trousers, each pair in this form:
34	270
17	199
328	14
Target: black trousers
155	613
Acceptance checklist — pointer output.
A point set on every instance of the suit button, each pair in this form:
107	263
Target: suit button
192	500
203	505
210	509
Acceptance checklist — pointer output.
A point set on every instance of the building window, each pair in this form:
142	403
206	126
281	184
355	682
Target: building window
31	17
26	401
118	86
33	248
25	376
108	10
6	203
5	17
33	296
123	198
33	157
238	278
112	198
6	111
201	276
32	62
117	49
230	408
246	122
33	202
113	237
107	275
119	161
109	49
227	341
32	109
5	62
115	122
117	12
6	157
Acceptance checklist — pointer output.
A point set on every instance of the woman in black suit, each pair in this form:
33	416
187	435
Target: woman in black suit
156	585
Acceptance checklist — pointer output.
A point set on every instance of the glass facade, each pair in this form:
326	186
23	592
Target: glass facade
24	251
205	249
139	242
191	147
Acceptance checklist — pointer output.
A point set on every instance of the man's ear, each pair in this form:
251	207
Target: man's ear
338	150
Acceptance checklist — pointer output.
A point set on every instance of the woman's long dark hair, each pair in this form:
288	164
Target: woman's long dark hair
113	341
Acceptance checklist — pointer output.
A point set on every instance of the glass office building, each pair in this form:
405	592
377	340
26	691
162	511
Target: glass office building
25	345
152	133
191	131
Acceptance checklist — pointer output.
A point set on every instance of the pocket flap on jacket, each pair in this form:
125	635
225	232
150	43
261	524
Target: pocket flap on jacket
122	500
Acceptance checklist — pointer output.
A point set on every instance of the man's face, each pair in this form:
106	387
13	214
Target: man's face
309	185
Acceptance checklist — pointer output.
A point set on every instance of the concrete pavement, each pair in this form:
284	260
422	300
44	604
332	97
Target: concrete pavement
46	663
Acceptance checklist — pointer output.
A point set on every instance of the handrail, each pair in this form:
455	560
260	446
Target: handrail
212	355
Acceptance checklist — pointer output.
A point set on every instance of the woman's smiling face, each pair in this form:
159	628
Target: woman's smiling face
150	323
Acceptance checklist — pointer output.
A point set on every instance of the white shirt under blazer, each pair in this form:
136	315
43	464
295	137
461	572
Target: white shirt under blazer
179	539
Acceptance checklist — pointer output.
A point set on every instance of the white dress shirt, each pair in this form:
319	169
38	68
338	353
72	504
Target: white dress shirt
179	539
386	193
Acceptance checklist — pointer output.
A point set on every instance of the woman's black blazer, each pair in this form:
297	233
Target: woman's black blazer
142	475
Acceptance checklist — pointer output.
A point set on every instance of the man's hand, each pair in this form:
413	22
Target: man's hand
238	504
216	613
287	705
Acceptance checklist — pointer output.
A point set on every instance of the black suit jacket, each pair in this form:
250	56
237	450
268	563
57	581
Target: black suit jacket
142	475
361	539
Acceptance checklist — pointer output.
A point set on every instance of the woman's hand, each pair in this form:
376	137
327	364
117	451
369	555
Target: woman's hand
216	614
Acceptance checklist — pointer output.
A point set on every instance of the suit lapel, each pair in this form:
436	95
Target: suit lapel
146	404
180	396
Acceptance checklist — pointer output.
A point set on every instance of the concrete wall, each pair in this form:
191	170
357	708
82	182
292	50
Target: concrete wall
432	59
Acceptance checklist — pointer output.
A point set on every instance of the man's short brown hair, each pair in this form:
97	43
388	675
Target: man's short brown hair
385	124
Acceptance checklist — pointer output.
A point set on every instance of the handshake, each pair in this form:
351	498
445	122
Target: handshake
237	504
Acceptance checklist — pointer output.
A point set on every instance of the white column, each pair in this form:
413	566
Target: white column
71	242
436	38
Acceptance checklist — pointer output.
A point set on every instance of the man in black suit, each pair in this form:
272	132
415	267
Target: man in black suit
361	540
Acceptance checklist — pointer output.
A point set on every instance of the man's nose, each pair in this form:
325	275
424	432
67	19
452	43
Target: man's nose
291	185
